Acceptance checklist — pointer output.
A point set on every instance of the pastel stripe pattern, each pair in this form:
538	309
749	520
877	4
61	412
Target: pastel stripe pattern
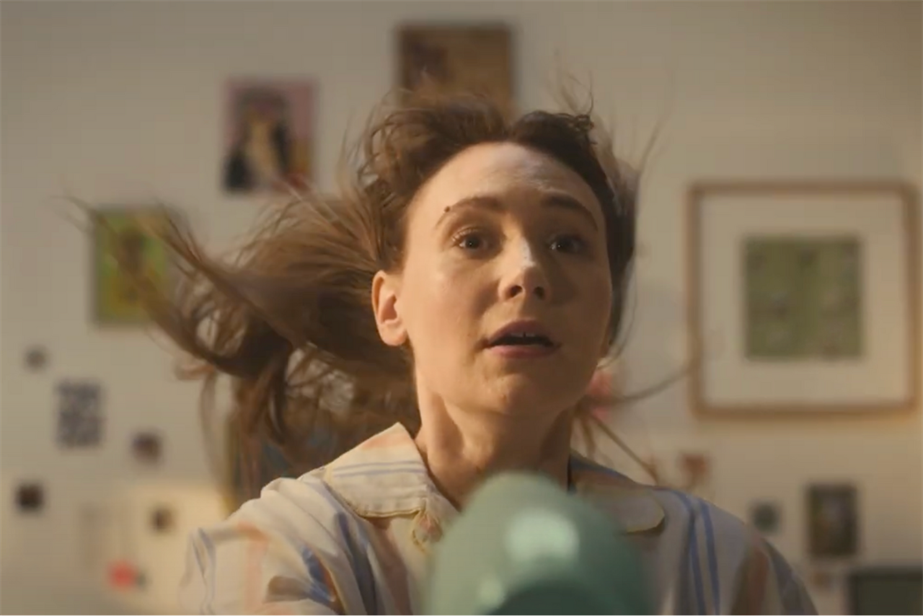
354	536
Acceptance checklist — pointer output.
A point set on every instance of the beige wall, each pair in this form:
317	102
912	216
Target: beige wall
121	102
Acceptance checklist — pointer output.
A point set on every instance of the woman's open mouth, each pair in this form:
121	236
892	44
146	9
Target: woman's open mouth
522	340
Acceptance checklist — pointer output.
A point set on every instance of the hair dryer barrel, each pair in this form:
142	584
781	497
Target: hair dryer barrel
525	546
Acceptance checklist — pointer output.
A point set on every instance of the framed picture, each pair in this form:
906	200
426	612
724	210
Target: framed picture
268	135
30	497
833	521
80	414
458	58
804	298
885	589
766	517
131	235
147	447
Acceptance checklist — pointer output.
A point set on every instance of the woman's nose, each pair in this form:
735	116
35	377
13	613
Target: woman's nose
526	274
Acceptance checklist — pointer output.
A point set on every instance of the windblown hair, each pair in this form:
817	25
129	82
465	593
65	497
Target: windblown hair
290	320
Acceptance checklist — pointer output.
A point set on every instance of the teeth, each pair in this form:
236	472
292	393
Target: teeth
519	338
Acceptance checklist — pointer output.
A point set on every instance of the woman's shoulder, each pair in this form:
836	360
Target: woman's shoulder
673	508
674	522
382	475
729	563
733	563
299	535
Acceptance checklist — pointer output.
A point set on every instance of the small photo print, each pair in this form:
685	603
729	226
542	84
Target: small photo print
163	519
147	447
766	517
474	59
36	358
833	529
269	135
30	497
80	415
128	253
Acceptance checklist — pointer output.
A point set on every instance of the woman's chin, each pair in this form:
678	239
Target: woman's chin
519	395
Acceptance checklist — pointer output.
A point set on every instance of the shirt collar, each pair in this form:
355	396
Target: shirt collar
385	476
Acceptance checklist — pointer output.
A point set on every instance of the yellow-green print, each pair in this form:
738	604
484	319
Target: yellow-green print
132	235
803	297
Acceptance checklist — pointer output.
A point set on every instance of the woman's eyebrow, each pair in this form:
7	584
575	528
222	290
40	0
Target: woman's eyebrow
474	201
553	200
567	202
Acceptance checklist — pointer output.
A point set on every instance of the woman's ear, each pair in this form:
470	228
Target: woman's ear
385	291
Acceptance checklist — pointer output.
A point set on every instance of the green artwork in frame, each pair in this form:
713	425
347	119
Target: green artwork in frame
131	234
803	297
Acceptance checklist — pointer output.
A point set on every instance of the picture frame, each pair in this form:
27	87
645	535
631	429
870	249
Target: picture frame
892	588
270	128
129	234
471	58
766	517
81	419
147	447
803	298
30	497
833	520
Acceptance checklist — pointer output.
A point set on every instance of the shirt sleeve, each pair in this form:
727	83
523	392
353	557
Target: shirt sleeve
769	585
283	553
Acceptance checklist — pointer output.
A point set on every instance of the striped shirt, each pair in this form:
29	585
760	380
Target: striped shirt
354	537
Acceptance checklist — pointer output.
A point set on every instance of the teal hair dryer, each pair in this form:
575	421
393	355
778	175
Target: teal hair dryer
525	546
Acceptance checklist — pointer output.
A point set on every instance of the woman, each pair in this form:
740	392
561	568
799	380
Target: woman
441	320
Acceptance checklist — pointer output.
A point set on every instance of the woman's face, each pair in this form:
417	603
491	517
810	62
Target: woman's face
505	291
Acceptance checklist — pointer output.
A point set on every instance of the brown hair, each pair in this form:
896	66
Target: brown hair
290	319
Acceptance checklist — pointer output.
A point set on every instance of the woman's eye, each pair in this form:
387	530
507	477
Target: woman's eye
571	244
470	241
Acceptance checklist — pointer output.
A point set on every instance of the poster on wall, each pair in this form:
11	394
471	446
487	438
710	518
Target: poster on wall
804	297
36	358
30	497
147	447
766	517
128	255
80	414
833	520
268	135
459	58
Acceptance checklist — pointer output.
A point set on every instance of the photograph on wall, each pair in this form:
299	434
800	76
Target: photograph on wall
163	520
269	132
80	414
833	524
803	297
36	358
147	447
30	497
476	58
128	255
766	517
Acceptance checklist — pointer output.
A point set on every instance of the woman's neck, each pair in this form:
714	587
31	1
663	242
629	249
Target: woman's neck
461	449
